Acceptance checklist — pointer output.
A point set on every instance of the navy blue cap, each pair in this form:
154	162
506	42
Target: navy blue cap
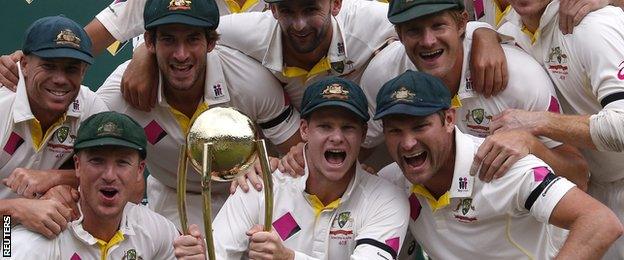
58	37
335	91
412	93
200	13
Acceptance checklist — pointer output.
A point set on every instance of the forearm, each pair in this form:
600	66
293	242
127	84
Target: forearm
565	160
6	206
569	129
100	36
590	236
65	177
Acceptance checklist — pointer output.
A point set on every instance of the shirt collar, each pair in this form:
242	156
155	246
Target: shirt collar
21	107
465	150
215	86
550	15
125	227
336	55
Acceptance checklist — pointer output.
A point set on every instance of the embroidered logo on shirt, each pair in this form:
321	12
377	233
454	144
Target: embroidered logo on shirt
218	91
131	255
13	143
556	61
338	66
415	207
478	122
342	228
154	132
286	226
76	105
62	133
468	214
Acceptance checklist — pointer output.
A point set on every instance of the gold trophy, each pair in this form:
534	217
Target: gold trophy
221	145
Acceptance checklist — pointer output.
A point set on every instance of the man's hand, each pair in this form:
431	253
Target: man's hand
140	80
267	245
190	247
66	195
254	174
293	162
571	12
516	119
28	182
488	64
8	69
47	217
499	152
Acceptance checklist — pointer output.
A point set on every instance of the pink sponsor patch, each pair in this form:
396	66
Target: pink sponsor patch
479	10
13	143
539	173
394	243
554	105
414	207
154	132
75	257
286	226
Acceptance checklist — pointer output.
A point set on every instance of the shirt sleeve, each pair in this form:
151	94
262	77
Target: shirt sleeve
110	91
599	42
531	82
260	96
384	228
238	214
123	18
29	245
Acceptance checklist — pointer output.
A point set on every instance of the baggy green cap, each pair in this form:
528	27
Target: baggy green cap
404	10
111	129
200	13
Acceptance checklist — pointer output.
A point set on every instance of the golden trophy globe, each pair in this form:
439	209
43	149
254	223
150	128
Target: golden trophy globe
221	144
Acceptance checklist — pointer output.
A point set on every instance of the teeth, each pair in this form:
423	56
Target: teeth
431	53
58	93
181	67
335	151
414	154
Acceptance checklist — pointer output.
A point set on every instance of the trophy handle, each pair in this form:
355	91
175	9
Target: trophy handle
206	195
182	160
268	184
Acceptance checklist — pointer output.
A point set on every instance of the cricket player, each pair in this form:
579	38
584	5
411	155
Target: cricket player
194	75
110	151
335	211
455	215
39	123
586	68
445	53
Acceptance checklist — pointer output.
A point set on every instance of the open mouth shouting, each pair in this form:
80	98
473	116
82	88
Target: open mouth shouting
415	160
109	194
335	157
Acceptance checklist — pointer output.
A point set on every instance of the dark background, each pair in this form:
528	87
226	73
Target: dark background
17	15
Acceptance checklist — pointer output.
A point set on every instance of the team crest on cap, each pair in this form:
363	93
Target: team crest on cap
403	94
335	91
179	5
109	128
67	37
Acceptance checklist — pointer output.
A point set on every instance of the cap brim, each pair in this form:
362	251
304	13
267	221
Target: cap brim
339	104
64	53
406	109
180	19
108	141
419	11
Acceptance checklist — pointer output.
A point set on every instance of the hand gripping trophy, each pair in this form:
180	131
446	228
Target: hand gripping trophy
222	143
